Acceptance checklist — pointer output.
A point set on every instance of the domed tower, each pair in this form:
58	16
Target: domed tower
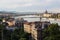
46	11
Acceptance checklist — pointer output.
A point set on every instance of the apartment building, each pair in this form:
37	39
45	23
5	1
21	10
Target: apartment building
35	29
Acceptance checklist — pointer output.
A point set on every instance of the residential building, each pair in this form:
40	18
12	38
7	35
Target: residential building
35	29
11	22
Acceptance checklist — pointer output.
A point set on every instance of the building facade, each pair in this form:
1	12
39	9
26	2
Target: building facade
35	29
46	14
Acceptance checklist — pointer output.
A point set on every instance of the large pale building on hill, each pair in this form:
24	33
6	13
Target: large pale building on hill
46	14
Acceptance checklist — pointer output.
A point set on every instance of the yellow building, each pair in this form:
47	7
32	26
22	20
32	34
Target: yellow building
47	15
34	28
11	22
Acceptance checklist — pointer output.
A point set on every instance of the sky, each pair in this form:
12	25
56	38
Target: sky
30	5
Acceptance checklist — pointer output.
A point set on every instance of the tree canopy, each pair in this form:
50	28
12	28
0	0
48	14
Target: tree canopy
52	32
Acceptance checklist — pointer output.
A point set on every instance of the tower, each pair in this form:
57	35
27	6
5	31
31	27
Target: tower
46	11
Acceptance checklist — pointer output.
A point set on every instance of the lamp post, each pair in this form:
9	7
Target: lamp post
40	29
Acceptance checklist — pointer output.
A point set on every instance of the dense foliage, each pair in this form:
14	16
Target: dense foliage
52	32
17	34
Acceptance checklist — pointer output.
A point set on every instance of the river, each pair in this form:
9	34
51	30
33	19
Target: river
32	18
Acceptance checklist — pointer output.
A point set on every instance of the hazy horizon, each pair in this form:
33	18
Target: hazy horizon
30	5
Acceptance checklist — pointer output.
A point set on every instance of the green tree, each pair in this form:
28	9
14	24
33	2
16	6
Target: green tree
19	34
52	32
1	31
22	39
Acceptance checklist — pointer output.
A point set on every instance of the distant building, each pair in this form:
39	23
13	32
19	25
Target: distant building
4	20
58	15
35	29
11	22
19	23
46	14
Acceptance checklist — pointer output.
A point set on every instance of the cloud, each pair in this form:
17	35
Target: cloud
23	2
10	1
12	6
43	2
31	5
54	10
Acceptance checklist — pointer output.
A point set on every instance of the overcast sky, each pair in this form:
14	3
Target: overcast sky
30	5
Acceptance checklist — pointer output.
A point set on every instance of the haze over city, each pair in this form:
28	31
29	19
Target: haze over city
30	5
